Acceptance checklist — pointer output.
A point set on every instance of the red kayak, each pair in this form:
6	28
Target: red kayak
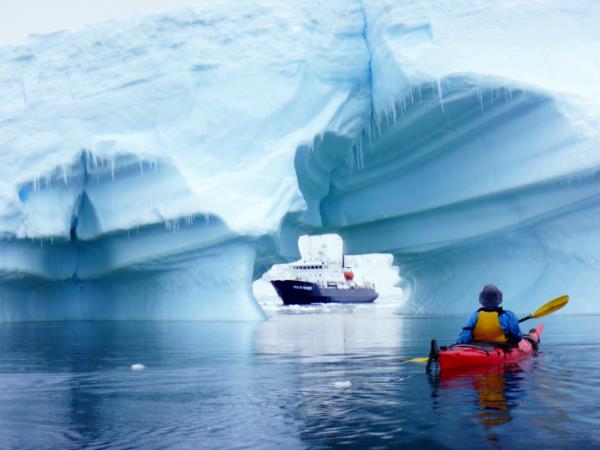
484	354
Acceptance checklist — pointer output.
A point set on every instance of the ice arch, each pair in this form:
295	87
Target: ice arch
491	183
90	266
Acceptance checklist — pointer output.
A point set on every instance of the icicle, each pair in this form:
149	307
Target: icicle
480	97
440	94
392	119
65	175
360	156
358	150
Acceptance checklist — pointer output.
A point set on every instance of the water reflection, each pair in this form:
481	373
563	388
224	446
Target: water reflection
493	391
297	381
72	382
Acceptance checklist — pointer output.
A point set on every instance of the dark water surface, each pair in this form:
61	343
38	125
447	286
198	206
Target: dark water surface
329	379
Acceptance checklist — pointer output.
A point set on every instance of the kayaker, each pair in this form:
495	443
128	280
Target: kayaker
491	323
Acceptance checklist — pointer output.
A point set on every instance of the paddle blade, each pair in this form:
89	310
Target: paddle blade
551	306
418	360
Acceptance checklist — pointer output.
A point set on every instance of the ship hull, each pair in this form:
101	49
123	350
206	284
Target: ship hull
305	293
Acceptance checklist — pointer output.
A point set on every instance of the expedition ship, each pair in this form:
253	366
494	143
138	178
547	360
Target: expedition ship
320	281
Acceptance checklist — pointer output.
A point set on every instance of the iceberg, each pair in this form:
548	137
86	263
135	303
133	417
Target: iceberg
152	168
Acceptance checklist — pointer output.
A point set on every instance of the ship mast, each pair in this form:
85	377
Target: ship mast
343	262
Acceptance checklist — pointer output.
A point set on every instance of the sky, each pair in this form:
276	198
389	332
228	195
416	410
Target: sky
20	18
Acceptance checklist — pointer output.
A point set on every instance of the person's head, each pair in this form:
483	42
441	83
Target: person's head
490	297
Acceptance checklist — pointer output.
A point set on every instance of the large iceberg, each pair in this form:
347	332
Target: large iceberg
151	168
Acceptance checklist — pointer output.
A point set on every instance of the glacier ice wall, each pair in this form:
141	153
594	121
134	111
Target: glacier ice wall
151	168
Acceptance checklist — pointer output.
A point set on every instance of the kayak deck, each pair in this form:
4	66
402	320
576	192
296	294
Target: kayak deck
485	354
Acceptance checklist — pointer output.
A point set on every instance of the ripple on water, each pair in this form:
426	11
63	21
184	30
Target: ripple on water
321	380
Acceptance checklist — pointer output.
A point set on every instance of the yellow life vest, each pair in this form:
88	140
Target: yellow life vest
488	327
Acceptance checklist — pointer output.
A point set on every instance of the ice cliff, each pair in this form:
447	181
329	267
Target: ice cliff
152	168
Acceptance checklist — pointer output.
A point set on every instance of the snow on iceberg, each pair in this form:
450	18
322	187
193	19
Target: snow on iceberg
152	168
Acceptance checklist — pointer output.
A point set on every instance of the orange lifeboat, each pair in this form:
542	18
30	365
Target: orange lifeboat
348	275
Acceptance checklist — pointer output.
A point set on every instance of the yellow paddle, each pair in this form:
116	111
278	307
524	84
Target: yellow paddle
544	310
548	308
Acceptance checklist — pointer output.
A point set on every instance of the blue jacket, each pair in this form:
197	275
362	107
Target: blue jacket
508	321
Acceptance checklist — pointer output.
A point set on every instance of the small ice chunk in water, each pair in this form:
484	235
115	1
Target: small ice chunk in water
137	367
342	384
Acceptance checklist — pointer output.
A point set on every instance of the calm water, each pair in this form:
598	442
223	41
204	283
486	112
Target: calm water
322	379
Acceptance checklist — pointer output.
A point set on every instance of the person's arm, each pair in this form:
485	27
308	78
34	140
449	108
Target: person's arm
511	327
466	335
